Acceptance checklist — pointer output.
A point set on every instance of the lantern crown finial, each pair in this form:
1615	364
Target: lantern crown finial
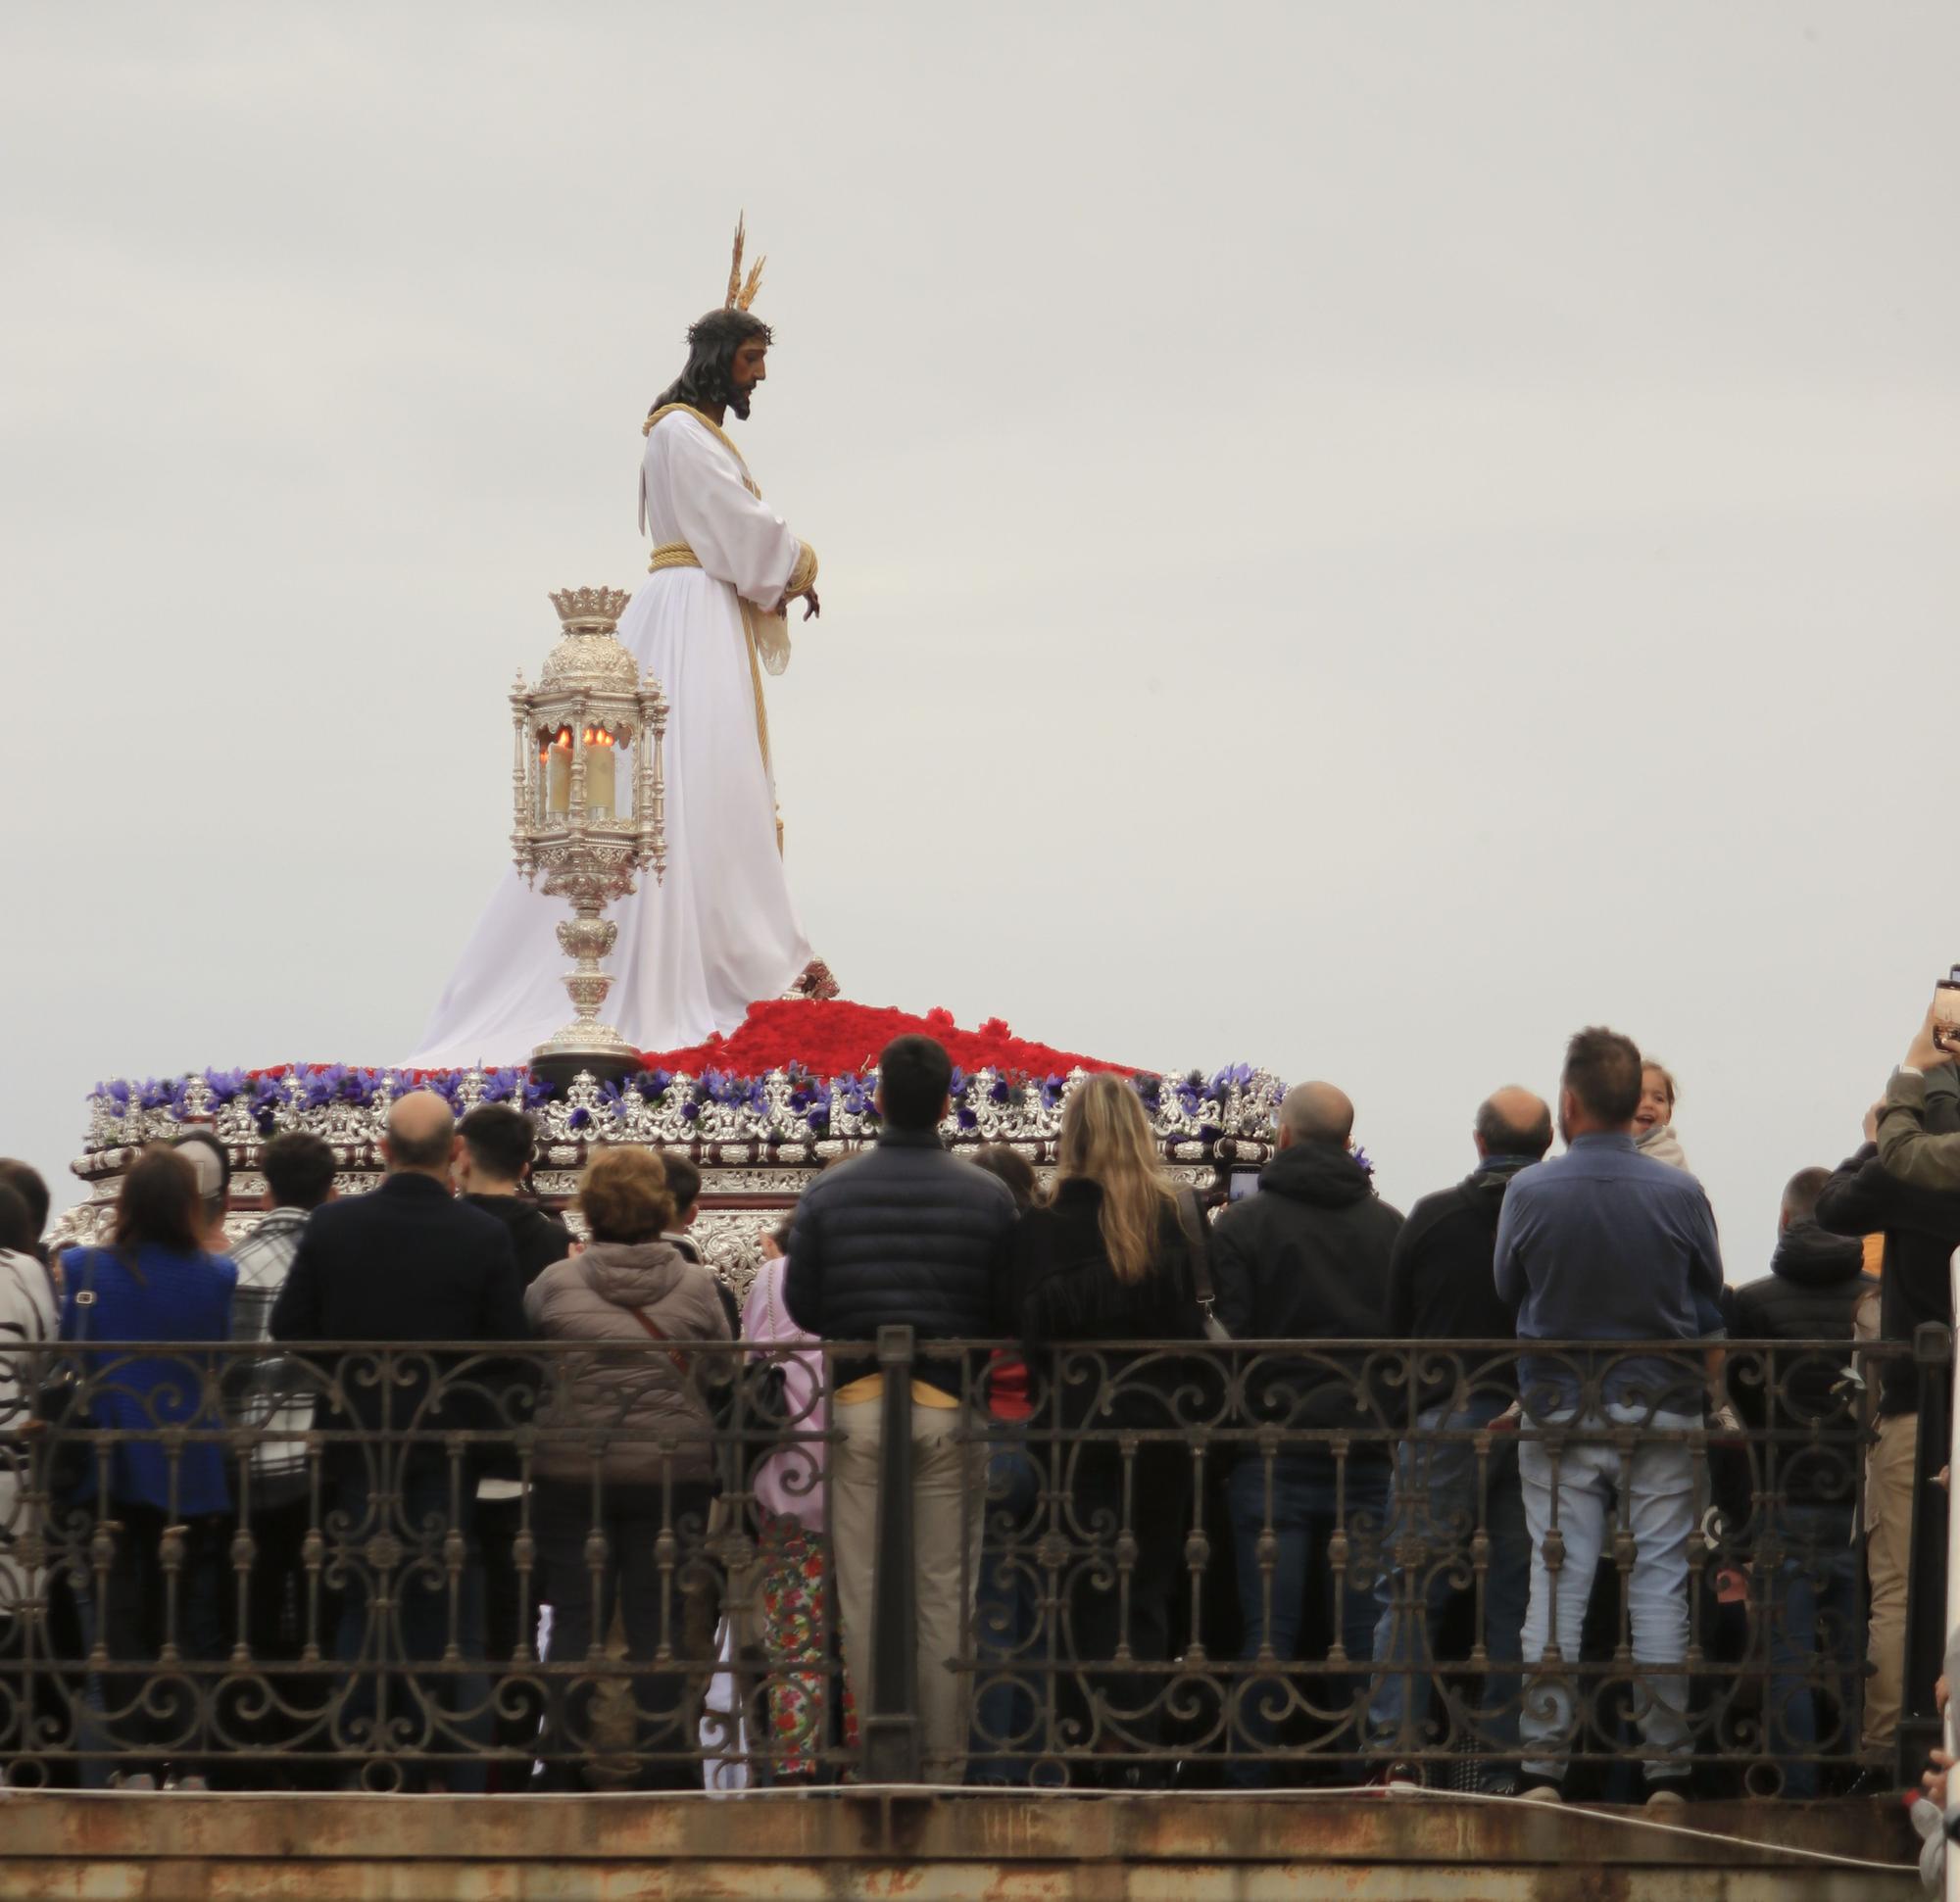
589	656
590	609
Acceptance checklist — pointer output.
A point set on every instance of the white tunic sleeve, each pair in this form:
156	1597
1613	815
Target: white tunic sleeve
735	536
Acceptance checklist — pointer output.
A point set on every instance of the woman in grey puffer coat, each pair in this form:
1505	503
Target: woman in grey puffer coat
636	1411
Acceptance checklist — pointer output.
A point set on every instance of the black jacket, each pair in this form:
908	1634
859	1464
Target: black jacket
902	1233
538	1239
404	1263
689	1249
541	1241
1066	1291
1811	1293
1922	1229
1441	1283
1306	1259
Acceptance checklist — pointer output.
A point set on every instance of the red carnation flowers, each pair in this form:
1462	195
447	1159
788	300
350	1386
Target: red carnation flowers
835	1038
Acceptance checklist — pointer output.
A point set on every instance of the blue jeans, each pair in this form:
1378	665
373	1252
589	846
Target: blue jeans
1815	1644
1006	1620
1440	1502
1570	1489
1306	1513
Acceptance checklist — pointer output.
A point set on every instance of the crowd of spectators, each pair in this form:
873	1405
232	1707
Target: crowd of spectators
1361	1506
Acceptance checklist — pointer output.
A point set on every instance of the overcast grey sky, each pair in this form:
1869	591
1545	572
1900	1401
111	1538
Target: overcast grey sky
1355	537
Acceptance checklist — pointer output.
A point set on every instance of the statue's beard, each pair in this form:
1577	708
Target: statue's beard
738	399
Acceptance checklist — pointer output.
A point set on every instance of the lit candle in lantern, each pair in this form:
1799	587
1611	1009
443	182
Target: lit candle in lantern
558	796
600	760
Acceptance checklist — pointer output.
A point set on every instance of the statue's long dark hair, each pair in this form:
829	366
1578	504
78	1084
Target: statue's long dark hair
712	345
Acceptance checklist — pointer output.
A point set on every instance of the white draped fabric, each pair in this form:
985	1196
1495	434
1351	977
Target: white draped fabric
720	932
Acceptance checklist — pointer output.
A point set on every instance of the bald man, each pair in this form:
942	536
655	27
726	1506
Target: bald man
1441	1288
405	1263
408	1262
1304	1260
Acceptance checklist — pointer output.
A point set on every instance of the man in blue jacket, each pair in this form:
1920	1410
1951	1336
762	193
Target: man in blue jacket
1605	1244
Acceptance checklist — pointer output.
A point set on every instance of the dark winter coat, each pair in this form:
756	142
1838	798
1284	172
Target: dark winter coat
539	1238
1815	1283
1307	1259
902	1233
405	1263
1068	1292
1441	1287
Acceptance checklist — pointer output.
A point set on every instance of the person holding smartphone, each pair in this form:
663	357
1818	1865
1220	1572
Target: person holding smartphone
1909	1149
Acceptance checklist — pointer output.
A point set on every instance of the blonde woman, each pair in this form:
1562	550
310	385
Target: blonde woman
1109	1259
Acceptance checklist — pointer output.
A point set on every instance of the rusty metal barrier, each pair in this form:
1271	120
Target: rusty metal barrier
664	1565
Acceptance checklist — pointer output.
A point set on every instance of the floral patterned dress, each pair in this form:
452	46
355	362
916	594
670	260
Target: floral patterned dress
798	1617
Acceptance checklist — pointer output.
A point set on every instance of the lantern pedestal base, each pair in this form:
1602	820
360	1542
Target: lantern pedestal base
561	1063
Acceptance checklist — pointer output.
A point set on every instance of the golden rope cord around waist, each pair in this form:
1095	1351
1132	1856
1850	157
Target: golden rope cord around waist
677	554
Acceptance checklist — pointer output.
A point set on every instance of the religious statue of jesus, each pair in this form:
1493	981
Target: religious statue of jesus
720	932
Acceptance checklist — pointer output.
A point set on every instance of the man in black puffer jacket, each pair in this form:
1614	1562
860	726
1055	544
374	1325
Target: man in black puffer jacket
1812	1292
1306	1259
906	1235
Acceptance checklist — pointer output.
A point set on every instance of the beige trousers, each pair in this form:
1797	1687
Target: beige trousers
948	1500
1891	1468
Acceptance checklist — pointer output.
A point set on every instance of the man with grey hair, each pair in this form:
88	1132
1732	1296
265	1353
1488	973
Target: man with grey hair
1305	1259
1441	1288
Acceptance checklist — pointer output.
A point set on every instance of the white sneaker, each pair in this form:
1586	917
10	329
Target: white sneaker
1665	1796
1542	1793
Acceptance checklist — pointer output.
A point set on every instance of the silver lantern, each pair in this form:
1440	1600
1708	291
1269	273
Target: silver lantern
590	796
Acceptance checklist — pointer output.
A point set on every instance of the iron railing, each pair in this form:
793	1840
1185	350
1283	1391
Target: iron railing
1125	1564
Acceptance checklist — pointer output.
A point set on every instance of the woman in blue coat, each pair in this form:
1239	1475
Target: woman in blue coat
154	1282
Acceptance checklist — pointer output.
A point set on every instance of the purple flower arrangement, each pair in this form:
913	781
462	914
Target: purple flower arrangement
309	1086
809	1096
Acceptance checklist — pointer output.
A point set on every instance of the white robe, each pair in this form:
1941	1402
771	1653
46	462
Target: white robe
720	932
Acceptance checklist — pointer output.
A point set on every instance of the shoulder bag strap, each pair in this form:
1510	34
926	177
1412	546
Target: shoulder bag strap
674	1355
1191	1220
